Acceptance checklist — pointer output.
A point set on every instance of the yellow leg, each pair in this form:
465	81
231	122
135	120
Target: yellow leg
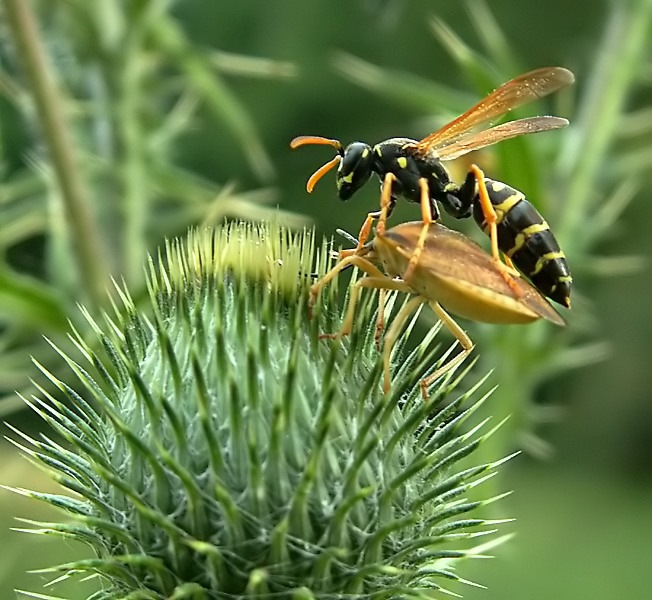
509	263
383	283
356	261
380	320
365	230
491	218
426	217
345	253
394	332
464	340
385	201
363	236
381	215
380	281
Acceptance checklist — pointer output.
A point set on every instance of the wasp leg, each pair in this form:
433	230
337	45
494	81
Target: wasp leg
491	218
386	200
464	340
363	236
427	218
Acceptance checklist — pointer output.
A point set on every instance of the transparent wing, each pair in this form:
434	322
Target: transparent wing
505	131
516	92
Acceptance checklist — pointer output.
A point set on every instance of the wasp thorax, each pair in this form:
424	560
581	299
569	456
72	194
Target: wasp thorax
355	169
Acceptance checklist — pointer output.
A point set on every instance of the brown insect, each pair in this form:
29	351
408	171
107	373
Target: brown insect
453	274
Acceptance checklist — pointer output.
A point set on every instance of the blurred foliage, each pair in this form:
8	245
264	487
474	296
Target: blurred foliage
93	170
179	112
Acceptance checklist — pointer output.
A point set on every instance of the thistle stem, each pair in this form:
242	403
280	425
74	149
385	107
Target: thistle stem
49	106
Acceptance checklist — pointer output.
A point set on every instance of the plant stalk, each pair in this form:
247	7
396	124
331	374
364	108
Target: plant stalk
49	105
625	40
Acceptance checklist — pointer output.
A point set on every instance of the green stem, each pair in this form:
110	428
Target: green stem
617	66
48	101
135	196
201	76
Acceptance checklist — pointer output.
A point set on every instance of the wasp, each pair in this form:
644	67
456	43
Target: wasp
453	274
415	170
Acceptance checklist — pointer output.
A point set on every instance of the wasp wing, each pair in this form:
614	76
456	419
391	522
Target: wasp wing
516	92
505	131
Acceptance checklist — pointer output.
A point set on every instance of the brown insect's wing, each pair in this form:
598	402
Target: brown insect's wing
505	131
516	92
460	274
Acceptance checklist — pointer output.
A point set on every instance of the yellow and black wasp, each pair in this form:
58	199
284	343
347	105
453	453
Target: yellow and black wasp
414	169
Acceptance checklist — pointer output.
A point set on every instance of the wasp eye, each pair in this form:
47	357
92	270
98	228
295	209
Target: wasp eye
355	169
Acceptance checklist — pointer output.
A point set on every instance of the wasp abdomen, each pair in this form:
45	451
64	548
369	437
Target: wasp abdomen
526	238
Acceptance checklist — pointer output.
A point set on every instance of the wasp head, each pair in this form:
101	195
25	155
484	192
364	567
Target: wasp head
355	164
354	170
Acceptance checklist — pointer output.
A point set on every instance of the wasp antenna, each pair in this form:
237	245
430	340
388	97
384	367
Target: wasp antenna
305	140
319	173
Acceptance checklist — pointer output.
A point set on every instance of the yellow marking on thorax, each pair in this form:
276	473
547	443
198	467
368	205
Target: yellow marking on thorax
402	162
498	186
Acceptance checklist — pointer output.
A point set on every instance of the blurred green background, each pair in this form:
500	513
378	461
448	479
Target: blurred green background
181	113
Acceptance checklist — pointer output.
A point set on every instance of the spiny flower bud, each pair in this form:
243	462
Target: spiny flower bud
216	447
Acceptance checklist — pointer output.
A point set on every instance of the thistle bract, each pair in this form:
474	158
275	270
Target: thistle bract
216	447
